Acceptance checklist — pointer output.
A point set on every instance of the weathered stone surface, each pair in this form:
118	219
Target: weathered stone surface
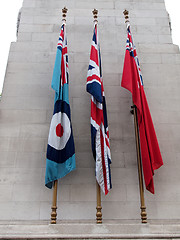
27	104
89	230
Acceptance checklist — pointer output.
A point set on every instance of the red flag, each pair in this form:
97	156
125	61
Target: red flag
132	80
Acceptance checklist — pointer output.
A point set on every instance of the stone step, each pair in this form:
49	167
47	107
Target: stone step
90	230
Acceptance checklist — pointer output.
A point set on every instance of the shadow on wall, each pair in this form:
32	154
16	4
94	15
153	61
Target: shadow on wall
18	22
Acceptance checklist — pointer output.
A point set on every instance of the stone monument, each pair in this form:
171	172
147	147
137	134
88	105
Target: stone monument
26	109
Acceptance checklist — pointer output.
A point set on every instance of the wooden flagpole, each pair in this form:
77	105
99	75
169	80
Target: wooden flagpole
138	150
98	189
140	174
54	202
99	207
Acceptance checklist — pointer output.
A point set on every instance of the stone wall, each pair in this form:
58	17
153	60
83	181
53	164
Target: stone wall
27	104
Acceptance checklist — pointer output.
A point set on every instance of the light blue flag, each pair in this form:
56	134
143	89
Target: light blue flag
60	150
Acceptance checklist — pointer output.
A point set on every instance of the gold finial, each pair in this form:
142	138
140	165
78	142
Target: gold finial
126	15
64	12
95	13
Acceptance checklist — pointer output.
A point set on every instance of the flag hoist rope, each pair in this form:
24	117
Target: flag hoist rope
98	189
54	202
138	150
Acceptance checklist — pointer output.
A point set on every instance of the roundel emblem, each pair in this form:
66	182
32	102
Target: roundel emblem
60	131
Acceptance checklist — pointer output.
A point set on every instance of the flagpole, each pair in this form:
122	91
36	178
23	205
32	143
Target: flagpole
54	202
138	150
98	189
99	207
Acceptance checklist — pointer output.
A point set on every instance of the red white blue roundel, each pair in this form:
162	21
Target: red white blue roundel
60	131
60	141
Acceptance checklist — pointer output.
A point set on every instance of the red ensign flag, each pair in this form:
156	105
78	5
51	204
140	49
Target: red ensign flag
132	80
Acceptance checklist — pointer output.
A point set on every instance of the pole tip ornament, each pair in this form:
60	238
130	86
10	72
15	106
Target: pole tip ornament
126	15
64	12
95	13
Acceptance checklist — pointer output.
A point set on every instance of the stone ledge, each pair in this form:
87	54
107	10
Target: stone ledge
90	230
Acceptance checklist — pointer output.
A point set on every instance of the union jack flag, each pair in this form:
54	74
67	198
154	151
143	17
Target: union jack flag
132	49
133	81
61	68
99	123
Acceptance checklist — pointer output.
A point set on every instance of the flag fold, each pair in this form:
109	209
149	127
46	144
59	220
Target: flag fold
99	123
132	81
60	150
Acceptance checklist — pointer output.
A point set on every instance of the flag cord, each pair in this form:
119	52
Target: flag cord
54	203
139	163
99	207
